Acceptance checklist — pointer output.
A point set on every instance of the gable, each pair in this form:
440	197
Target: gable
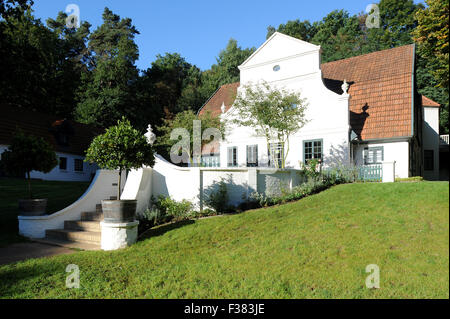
278	46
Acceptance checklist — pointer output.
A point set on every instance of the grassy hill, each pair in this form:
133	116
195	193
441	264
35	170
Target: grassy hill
318	247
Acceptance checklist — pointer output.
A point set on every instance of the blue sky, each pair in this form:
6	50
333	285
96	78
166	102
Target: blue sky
199	29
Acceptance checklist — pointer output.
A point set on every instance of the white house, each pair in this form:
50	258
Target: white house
69	139
363	110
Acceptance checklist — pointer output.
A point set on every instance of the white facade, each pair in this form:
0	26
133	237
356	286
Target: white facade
84	172
431	143
286	62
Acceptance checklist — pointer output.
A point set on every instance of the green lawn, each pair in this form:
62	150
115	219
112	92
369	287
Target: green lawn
317	247
59	194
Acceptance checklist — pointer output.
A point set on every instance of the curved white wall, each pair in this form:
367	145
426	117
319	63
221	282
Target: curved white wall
101	188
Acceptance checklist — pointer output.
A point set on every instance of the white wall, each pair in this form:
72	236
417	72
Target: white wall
393	151
68	174
193	183
327	112
431	139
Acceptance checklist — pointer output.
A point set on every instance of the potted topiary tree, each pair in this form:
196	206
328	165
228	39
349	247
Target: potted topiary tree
120	148
28	153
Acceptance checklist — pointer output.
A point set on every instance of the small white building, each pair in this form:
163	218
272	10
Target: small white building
69	139
362	110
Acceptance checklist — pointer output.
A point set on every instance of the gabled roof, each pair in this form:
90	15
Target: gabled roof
294	45
381	91
79	136
427	102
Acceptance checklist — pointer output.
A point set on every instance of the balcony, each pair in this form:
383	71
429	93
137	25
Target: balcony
443	140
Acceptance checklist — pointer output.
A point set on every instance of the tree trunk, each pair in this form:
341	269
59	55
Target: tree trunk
118	185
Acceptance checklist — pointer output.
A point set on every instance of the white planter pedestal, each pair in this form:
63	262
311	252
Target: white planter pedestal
118	235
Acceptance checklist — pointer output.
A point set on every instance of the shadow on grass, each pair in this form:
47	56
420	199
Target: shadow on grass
162	229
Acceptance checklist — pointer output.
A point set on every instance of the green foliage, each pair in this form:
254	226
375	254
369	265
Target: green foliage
217	197
165	209
302	30
311	170
273	113
226	70
121	147
41	67
28	153
432	35
107	92
185	120
409	179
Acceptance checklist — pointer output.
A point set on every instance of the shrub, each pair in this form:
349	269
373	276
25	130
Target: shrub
170	208
28	153
217	197
120	147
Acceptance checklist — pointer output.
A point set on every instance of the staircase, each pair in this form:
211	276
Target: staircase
82	234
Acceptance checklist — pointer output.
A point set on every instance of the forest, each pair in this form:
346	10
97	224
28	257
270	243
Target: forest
90	75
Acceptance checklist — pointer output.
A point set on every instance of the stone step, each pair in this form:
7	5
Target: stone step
82	225
91	216
73	235
69	244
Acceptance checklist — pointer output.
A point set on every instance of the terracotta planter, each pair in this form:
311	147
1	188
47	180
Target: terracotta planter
32	207
119	211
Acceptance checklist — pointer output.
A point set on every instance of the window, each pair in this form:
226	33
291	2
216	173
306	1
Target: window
373	155
78	165
212	160
428	160
252	155
312	149
276	155
232	156
63	163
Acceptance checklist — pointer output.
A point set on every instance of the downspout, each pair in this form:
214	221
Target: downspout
413	137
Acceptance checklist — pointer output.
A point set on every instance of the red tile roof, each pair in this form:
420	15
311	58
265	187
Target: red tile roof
381	90
429	102
225	94
47	127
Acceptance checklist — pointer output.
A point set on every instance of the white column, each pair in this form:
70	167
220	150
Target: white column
118	235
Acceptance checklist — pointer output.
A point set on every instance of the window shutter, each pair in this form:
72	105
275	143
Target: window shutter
230	156
366	155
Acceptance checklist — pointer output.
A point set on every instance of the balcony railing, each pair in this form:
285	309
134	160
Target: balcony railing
443	140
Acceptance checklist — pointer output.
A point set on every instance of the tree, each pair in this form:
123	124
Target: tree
339	35
40	68
226	70
302	30
28	153
121	147
186	121
274	113
106	93
432	36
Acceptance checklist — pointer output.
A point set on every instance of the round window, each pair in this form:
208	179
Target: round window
276	68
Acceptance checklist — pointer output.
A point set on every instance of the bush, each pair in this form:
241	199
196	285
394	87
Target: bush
170	208
28	153
217	198
120	147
